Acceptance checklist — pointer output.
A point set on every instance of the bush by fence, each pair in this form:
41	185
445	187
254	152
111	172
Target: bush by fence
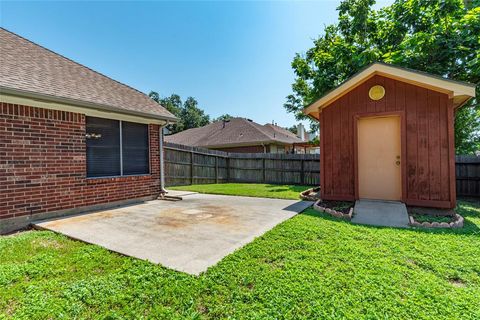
186	165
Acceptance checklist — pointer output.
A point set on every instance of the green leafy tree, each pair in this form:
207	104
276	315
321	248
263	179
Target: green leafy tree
225	116
188	112
293	129
173	103
436	36
315	141
192	116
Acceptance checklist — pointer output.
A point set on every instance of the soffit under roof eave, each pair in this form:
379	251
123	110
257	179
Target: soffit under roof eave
44	98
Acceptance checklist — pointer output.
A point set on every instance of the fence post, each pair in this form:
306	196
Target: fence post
264	173
191	167
228	169
302	172
216	169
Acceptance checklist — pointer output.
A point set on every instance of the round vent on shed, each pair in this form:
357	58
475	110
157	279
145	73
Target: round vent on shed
376	92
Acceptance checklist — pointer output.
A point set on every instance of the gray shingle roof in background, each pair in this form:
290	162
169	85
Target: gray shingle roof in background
29	68
238	131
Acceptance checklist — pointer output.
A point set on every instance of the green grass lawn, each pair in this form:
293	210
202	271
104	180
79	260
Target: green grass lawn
247	189
311	266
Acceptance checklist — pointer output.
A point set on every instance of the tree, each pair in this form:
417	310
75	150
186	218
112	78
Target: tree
436	36
173	103
225	116
188	113
293	129
192	116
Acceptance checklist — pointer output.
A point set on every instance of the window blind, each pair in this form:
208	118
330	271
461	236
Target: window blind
135	148
103	147
116	148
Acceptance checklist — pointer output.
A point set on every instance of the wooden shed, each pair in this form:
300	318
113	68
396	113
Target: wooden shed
387	133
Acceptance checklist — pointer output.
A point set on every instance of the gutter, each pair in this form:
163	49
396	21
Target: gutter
83	104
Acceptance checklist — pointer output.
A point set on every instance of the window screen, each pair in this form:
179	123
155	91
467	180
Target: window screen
103	147
135	148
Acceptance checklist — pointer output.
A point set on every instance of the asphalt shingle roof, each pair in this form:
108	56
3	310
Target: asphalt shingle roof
29	68
237	131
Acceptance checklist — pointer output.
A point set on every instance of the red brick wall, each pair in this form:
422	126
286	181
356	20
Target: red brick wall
43	164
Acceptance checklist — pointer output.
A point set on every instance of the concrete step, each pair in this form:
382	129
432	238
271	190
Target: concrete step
380	213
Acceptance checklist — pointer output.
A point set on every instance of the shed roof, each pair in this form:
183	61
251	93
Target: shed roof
460	91
236	132
30	70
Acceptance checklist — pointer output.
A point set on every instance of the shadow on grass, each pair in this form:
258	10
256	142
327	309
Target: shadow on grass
468	208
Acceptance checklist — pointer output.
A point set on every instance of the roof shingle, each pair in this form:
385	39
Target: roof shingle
30	68
237	131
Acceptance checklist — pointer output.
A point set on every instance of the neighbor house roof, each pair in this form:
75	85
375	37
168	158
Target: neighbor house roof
459	91
29	70
235	132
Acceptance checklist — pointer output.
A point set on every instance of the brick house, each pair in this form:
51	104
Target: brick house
71	139
238	135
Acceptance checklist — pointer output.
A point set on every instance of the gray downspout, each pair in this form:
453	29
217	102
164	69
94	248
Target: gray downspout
162	168
162	194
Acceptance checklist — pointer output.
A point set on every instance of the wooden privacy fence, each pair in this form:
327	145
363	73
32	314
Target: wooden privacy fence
468	175
190	165
186	165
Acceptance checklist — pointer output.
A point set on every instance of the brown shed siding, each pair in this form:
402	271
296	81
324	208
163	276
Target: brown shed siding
428	123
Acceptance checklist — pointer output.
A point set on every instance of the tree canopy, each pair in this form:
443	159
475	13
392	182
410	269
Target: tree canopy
188	112
435	36
225	116
293	129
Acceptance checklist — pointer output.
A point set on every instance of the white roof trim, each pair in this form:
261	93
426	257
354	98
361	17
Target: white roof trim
453	88
7	98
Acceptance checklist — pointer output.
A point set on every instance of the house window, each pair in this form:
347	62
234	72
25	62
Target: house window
135	148
116	148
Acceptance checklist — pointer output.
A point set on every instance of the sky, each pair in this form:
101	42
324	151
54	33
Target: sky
233	57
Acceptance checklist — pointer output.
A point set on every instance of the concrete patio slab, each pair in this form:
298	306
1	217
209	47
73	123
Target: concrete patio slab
380	213
189	235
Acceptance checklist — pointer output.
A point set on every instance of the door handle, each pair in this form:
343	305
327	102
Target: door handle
397	162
